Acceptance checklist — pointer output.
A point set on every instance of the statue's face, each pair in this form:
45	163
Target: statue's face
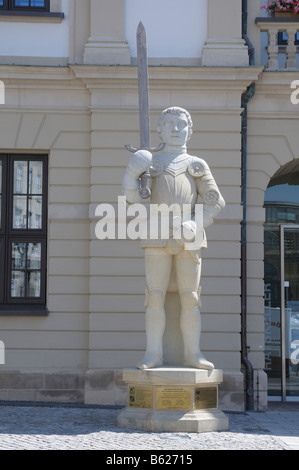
175	129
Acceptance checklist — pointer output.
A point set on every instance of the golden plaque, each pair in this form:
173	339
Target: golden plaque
140	397
205	397
174	398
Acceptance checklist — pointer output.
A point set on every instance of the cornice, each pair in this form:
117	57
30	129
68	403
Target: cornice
94	73
118	72
278	78
230	79
32	72
101	78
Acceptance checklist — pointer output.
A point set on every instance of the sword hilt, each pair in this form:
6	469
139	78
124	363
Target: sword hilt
145	183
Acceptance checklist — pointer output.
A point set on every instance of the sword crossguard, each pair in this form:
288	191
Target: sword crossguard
152	150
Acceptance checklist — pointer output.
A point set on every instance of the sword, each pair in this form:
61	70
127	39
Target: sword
144	117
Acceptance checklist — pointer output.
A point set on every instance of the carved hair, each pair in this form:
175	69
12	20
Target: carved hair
174	111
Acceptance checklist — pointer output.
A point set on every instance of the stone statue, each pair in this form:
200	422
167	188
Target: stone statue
181	179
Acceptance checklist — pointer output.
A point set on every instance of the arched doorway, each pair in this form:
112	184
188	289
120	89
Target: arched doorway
281	275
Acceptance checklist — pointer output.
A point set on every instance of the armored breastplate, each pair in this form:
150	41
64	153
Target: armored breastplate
173	182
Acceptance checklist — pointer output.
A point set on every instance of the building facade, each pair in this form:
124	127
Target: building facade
71	305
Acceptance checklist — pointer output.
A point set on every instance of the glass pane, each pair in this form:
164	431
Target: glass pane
26	265
272	311
19	255
37	3
291	260
33	284
20	177
1	3
35	177
28	3
19	212
34	256
18	284
35	212
22	3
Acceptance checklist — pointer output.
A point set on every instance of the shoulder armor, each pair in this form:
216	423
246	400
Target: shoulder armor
196	169
211	196
156	168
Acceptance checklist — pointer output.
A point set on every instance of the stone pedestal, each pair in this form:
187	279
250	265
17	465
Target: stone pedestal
106	51
173	399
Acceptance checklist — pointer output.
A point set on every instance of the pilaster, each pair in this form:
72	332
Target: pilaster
224	45
106	44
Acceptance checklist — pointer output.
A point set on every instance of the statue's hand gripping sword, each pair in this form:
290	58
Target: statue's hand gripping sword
144	118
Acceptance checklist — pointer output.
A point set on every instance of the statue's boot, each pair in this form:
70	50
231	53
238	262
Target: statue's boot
150	360
198	361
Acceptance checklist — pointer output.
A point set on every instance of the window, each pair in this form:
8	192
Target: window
283	39
23	222
25	5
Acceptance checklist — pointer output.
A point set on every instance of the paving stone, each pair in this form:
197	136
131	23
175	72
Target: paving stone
64	427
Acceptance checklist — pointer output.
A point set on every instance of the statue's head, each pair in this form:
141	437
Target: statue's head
179	115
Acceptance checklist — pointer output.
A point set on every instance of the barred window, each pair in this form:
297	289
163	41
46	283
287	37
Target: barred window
23	232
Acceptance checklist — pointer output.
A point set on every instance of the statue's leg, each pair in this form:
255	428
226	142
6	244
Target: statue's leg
188	279
157	270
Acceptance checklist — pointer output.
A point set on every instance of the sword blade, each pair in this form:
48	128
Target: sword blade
144	118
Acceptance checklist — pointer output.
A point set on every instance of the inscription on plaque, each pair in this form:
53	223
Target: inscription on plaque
140	397
174	398
205	398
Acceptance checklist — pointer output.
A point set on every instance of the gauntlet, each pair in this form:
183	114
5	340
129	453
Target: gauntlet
139	162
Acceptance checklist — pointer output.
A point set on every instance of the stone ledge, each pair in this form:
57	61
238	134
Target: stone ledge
102	386
49	386
31	16
31	380
172	375
42	395
272	19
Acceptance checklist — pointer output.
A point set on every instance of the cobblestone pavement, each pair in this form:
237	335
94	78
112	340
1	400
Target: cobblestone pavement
92	428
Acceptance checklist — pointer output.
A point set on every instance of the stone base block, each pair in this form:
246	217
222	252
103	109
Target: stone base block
173	421
106	51
228	52
173	399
